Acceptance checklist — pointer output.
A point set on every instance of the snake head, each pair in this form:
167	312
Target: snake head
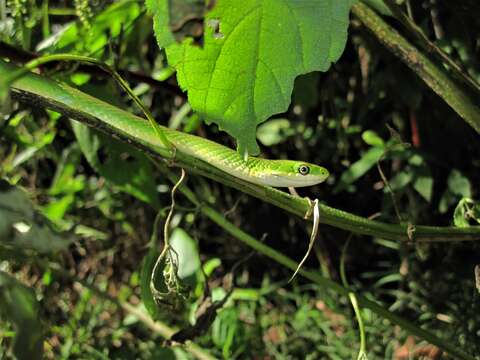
290	173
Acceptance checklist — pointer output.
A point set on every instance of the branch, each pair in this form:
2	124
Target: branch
430	73
42	92
430	46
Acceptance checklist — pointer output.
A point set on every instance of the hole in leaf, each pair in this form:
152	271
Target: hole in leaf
22	227
214	24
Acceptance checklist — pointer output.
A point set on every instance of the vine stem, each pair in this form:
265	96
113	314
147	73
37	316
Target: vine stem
353	300
166	251
35	63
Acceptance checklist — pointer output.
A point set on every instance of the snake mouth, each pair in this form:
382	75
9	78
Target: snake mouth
291	181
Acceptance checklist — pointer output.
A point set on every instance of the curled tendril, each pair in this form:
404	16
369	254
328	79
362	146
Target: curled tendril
166	287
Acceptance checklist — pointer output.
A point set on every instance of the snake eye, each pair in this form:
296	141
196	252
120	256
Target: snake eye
303	169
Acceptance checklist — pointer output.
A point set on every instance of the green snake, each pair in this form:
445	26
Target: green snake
276	173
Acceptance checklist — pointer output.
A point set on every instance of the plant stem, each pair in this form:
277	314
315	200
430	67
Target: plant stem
430	46
353	300
430	73
35	63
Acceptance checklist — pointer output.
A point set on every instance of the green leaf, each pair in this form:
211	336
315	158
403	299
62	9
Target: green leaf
145	275
210	265
400	180
119	163
458	186
252	52
188	256
360	167
104	27
466	210
22	227
19	306
64	181
372	139
225	330
459	215
274	131
424	186
56	210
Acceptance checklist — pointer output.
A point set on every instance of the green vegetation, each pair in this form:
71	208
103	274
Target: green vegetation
107	249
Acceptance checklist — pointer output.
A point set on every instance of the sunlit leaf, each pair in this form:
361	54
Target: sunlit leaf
252	52
360	167
372	138
274	131
106	25
187	250
56	210
64	181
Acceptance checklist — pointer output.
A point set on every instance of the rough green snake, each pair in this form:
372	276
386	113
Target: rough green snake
276	173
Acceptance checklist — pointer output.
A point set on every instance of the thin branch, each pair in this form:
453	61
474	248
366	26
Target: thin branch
12	77
430	46
434	76
22	56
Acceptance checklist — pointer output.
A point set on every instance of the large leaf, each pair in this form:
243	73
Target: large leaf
19	305
252	52
188	257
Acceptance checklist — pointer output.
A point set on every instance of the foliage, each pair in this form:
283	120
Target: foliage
77	206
